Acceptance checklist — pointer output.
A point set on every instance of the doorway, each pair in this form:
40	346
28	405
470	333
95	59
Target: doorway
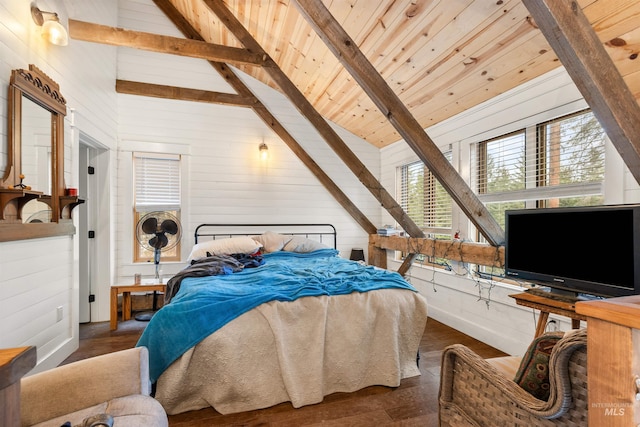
91	172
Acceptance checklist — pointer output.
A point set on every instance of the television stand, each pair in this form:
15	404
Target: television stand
555	294
547	304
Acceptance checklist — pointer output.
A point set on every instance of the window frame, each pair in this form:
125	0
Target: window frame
429	214
175	208
534	195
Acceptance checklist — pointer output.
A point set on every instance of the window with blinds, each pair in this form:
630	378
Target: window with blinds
552	164
570	165
425	200
156	182
555	163
500	165
427	203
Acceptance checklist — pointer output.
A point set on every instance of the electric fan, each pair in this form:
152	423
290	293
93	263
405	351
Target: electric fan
40	216
157	231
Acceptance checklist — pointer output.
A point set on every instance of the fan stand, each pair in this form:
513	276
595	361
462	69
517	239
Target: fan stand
146	316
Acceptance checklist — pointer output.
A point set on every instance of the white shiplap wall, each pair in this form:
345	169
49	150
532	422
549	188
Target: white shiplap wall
483	309
225	181
38	277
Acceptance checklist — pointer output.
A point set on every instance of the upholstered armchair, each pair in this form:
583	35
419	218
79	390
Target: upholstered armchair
478	392
116	384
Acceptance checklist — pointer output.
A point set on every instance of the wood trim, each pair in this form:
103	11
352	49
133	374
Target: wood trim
577	45
14	364
183	94
406	264
346	50
324	129
87	31
377	256
623	311
262	111
455	250
611	372
613	345
36	83
19	231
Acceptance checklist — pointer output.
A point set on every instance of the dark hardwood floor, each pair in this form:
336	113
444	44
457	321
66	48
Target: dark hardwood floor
413	403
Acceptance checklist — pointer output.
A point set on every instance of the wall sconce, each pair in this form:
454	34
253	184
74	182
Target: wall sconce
264	151
52	29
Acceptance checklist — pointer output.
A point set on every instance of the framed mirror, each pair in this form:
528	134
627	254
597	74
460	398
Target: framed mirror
32	187
36	158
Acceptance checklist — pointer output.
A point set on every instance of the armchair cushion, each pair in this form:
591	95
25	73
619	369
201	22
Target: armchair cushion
115	383
131	411
533	373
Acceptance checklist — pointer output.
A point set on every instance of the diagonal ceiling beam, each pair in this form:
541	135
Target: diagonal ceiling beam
352	58
575	42
324	129
89	32
261	110
183	94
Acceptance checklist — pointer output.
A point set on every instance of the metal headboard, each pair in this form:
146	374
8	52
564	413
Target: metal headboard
319	232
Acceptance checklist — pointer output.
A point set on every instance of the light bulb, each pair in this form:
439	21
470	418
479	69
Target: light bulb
264	151
55	33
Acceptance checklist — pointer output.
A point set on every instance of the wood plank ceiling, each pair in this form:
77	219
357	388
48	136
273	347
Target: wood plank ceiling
440	57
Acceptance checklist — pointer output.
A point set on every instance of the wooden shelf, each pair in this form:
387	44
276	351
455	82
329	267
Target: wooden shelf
546	306
13	200
12	228
67	204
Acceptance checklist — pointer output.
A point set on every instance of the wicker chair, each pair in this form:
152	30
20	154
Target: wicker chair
474	392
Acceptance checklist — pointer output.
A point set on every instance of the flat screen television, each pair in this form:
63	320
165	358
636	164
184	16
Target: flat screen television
581	250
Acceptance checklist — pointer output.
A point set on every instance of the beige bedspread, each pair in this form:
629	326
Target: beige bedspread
299	351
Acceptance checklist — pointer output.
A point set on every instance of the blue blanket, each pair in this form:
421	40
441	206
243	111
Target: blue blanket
205	304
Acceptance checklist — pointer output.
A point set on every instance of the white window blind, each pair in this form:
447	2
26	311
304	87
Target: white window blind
555	163
157	182
424	199
500	164
571	160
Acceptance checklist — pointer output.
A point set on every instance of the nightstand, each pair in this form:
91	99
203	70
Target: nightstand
126	290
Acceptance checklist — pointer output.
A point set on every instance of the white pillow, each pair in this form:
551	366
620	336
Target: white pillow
302	244
232	245
272	242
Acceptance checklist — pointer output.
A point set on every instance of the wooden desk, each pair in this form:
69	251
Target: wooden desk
126	290
546	306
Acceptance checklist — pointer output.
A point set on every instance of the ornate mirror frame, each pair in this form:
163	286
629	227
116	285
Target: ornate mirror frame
14	194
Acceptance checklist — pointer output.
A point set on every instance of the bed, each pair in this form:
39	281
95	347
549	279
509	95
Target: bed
294	323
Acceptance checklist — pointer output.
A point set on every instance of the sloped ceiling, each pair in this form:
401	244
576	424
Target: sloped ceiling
440	57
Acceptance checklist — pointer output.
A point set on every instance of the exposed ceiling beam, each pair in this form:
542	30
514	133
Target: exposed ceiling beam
90	32
261	110
324	129
183	94
352	58
581	52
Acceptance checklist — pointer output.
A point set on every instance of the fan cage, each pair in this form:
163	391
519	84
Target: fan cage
144	253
